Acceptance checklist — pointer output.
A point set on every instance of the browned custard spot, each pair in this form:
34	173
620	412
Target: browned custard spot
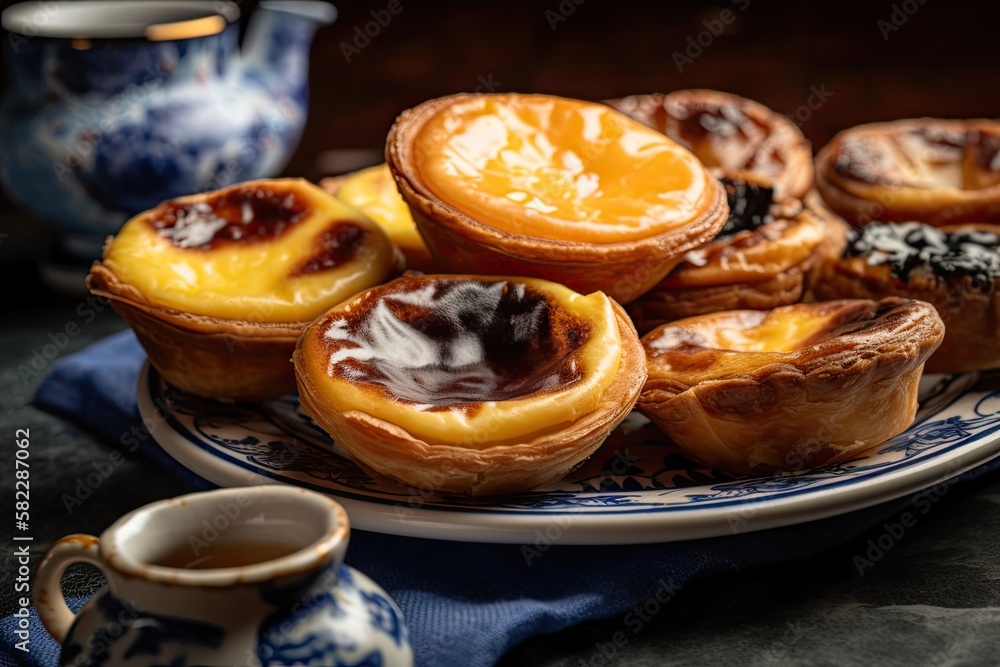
861	159
853	319
243	214
723	120
336	245
692	349
446	343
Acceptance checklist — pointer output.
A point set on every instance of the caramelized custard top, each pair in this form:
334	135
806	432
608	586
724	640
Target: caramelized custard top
246	213
337	245
925	154
709	347
749	206
559	169
275	251
442	343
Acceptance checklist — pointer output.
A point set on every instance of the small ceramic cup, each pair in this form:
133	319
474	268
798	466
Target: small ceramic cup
246	576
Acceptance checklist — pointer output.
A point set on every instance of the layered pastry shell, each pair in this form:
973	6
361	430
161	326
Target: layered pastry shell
766	256
729	133
955	268
462	243
755	392
365	375
211	343
940	172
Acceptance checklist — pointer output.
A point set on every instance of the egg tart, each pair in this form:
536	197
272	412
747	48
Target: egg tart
218	287
729	133
373	192
940	172
954	268
470	385
553	188
763	258
796	387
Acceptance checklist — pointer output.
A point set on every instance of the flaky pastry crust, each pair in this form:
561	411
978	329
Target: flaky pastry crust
757	139
842	390
758	269
939	172
207	356
477	467
463	244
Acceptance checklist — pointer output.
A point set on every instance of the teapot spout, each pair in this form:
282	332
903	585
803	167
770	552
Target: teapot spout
276	48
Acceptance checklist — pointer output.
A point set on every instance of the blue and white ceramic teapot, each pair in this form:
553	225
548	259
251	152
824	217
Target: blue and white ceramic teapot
243	576
114	107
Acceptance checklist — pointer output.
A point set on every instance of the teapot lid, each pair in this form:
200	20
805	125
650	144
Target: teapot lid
156	20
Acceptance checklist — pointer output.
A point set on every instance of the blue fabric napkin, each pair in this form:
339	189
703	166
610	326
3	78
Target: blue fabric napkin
465	604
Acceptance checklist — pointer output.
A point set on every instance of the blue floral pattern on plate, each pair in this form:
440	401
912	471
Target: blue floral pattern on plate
636	472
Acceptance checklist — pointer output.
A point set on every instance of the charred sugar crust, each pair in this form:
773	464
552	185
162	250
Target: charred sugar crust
337	245
749	205
245	213
481	341
774	144
478	467
968	254
954	268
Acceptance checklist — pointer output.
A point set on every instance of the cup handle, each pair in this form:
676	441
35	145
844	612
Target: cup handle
49	601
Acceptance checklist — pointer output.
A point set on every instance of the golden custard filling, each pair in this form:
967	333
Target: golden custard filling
783	331
714	346
373	192
559	169
469	362
263	251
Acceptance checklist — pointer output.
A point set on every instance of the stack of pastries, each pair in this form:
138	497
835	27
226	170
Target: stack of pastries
466	317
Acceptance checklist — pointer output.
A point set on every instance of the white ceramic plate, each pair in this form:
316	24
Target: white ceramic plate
635	489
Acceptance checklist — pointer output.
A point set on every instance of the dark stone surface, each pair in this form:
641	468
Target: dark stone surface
933	598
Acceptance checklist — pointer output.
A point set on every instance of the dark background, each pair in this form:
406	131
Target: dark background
943	61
